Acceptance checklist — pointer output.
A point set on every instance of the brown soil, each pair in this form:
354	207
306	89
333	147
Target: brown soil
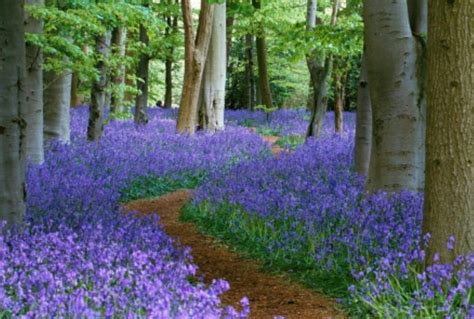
270	295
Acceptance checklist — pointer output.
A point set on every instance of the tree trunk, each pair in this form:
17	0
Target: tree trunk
249	74
33	145
393	60
214	77
363	137
449	192
264	82
12	101
319	69
119	38
229	28
98	92
57	99
141	101
339	95
171	28
74	89
196	48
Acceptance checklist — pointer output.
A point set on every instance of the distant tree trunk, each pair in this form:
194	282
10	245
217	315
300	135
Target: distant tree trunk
229	28
196	48
141	101
319	69
213	83
33	145
74	89
171	28
264	82
98	92
249	74
12	101
339	96
119	38
57	105
449	192
393	62
363	137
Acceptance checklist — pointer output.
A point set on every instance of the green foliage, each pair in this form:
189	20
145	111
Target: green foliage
251	235
154	186
291	141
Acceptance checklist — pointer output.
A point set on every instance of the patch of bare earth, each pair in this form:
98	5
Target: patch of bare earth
270	295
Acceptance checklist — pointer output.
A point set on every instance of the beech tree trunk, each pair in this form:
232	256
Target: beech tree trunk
33	145
119	38
319	69
394	57
12	101
264	82
74	89
449	192
98	92
141	101
196	48
363	137
249	74
214	78
339	96
172	28
57	104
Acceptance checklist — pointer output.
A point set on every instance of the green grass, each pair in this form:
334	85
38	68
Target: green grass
291	141
251	235
154	186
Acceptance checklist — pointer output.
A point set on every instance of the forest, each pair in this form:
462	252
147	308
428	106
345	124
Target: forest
236	159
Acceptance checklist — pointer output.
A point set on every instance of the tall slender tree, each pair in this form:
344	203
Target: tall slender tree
263	79
214	78
141	101
319	67
33	145
98	91
119	39
394	64
12	101
196	48
449	192
172	28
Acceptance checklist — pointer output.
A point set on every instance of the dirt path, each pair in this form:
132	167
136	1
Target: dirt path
270	295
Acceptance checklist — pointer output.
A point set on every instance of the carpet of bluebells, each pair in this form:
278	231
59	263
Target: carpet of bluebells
304	212
81	256
307	213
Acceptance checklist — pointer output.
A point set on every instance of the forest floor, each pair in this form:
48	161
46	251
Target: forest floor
269	294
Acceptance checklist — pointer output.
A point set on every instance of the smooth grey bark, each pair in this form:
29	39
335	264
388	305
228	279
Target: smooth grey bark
119	39
363	137
449	192
249	73
33	145
393	61
12	101
214	77
141	101
97	107
170	29
319	69
57	104
195	51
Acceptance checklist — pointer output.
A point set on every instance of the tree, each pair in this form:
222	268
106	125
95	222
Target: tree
196	48
394	67
141	100
12	101
119	39
33	145
319	66
449	192
98	91
213	86
264	82
363	137
171	29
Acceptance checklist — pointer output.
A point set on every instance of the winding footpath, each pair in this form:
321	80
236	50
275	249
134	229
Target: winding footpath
270	295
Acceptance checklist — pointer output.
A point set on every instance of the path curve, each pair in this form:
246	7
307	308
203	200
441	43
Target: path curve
270	295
